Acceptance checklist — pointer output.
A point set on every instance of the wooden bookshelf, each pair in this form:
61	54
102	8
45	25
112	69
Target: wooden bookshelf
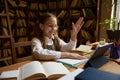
6	38
69	11
23	15
21	30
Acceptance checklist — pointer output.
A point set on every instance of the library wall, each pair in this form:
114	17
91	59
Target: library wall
26	12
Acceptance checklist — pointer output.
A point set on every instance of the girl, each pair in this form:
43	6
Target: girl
46	45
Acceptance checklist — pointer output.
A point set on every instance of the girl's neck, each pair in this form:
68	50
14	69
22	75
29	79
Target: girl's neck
49	37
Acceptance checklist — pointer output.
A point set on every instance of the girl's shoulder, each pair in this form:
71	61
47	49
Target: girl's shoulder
35	39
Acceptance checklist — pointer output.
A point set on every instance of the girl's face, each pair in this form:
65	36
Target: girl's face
49	27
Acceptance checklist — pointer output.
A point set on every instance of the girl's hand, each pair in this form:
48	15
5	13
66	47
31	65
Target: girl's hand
77	56
76	28
72	55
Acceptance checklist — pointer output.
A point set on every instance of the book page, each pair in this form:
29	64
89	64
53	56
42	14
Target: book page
71	76
9	74
55	68
84	48
32	68
71	61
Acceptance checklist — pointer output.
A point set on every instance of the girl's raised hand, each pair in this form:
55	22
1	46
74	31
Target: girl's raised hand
78	24
76	27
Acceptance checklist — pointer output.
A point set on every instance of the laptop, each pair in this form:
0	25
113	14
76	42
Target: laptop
98	58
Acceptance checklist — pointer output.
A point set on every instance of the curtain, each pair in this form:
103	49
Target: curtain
118	13
115	12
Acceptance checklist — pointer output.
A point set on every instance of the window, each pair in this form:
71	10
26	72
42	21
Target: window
115	12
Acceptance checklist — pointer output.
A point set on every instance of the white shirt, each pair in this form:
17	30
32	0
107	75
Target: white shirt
40	53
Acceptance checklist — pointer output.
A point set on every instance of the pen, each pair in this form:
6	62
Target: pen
73	66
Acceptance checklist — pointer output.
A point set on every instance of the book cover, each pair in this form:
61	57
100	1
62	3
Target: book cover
96	74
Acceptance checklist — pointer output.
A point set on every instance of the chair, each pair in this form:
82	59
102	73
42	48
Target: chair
18	45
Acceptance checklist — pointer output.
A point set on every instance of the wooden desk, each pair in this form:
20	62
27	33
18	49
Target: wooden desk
13	66
110	67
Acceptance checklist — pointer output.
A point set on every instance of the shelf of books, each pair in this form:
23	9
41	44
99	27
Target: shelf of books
21	30
24	13
6	45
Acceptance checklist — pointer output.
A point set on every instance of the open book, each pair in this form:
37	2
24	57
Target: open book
37	70
84	48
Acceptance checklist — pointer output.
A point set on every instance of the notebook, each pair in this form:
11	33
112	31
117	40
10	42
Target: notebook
71	61
98	59
91	73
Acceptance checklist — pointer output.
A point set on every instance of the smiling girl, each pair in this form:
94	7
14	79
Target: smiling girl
46	45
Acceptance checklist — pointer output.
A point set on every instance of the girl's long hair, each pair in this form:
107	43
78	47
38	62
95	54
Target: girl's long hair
38	33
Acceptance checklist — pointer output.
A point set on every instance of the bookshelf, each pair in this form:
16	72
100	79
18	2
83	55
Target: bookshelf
21	29
89	9
6	39
23	15
68	11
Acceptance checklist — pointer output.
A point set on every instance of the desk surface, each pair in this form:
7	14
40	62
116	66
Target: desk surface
110	67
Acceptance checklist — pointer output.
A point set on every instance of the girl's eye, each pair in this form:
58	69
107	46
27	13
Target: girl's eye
50	25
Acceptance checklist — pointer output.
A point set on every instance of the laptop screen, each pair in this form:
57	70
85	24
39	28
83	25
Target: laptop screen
98	58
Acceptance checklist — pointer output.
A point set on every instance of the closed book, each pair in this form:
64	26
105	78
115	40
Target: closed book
96	74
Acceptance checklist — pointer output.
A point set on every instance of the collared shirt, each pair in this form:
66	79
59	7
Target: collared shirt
49	43
45	54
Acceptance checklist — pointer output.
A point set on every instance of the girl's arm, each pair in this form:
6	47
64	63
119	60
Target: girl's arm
73	40
43	54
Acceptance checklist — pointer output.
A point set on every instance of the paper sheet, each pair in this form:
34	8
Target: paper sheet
10	74
71	76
